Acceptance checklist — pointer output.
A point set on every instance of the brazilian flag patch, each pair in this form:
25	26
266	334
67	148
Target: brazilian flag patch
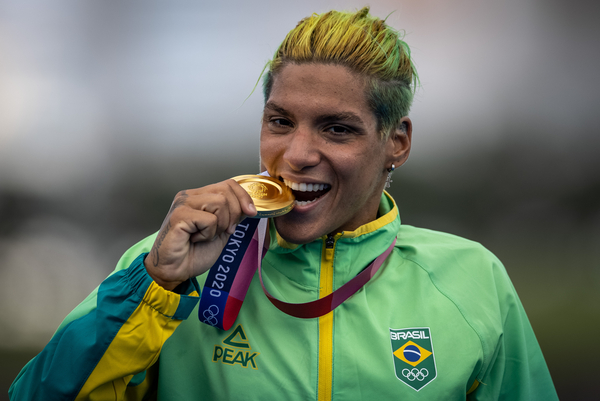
414	361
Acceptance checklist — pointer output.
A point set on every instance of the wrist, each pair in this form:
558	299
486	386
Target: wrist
166	284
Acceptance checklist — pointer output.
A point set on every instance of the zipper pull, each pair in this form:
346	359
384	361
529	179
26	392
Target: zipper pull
330	241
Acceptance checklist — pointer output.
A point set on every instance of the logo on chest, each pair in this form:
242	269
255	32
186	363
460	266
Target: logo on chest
236	350
414	361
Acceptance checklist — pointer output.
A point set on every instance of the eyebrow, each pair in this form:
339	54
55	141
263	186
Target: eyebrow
343	116
272	106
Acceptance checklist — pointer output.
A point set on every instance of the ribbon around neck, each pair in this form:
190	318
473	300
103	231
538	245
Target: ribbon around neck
228	280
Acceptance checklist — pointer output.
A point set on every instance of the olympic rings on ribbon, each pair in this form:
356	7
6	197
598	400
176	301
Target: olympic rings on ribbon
415	374
211	318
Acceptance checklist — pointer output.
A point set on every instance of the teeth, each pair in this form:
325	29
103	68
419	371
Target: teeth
304	203
304	187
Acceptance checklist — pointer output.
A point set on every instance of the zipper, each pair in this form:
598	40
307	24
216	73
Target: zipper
325	364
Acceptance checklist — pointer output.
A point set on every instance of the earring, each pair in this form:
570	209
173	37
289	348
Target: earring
388	180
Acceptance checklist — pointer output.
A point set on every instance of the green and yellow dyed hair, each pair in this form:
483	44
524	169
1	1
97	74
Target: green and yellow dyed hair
364	44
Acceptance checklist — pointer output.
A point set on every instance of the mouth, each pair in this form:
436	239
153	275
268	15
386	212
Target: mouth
306	193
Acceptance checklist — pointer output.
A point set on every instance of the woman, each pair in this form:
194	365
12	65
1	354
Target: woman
440	320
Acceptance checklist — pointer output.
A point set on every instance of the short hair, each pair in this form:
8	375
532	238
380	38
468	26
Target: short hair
363	43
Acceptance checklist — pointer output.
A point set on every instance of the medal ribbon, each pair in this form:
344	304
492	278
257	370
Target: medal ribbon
221	303
228	279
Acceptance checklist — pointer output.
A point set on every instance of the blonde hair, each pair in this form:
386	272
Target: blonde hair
364	44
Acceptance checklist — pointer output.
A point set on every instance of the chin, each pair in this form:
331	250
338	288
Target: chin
294	233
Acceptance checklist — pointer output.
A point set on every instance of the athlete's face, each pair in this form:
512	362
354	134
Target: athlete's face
320	137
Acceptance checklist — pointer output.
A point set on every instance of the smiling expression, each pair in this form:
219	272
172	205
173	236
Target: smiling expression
320	137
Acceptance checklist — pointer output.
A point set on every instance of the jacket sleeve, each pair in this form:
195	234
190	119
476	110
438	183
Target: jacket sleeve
517	371
104	348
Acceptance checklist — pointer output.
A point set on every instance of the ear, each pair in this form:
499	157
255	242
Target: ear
399	142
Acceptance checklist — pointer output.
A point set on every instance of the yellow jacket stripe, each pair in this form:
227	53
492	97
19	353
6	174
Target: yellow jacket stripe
326	287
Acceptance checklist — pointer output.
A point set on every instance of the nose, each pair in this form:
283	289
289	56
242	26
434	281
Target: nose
301	151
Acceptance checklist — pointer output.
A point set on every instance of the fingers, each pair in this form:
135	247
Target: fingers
209	211
195	231
245	200
223	206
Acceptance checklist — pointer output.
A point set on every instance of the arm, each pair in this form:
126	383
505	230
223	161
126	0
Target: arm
96	356
118	332
518	370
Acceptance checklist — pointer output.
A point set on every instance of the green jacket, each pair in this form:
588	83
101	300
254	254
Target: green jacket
438	321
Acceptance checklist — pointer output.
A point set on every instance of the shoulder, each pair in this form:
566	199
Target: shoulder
467	274
435	250
90	302
462	269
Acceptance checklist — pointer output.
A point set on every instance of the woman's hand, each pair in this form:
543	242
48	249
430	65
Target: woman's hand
196	230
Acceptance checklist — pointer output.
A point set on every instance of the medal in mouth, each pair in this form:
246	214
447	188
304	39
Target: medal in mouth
270	196
306	193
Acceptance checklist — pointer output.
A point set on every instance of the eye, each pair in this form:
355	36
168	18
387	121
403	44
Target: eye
279	125
338	130
281	122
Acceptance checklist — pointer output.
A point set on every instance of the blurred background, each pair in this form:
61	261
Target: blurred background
107	109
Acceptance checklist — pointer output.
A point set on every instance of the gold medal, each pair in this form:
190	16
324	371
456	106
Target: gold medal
271	197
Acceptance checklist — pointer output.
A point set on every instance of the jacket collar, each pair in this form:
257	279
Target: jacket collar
353	251
388	220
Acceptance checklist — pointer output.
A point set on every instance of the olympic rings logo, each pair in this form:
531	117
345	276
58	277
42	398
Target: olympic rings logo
210	315
415	374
